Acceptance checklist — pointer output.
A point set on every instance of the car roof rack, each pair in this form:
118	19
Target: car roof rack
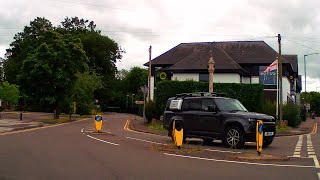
199	94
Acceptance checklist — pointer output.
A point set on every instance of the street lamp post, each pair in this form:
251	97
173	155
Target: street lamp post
305	74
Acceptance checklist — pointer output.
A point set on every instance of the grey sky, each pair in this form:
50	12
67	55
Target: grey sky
164	24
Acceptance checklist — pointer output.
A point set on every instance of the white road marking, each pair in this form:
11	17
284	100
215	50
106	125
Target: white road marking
82	130
103	140
213	150
319	175
300	157
145	140
297	150
315	160
240	162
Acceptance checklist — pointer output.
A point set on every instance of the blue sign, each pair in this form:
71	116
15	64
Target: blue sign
267	78
98	118
260	128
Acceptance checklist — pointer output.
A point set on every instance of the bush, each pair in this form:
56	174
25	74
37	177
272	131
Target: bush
269	108
291	112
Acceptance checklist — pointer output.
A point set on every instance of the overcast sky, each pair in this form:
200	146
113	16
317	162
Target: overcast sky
137	24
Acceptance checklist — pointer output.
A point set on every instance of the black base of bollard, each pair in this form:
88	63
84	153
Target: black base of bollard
20	116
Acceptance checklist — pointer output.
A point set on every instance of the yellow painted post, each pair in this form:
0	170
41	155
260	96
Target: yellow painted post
259	136
177	134
98	122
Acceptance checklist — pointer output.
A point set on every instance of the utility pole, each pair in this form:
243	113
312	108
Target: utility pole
149	76
280	78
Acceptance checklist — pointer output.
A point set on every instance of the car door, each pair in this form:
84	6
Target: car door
209	120
191	108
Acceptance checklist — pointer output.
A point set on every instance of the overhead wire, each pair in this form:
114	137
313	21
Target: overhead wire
301	44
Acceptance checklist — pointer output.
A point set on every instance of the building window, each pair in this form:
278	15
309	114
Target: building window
204	77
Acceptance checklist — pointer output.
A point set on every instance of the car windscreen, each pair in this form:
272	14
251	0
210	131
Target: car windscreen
229	105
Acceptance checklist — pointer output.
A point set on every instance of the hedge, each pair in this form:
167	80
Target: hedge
250	95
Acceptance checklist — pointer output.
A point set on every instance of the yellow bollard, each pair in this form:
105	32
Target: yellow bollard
177	134
98	122
259	136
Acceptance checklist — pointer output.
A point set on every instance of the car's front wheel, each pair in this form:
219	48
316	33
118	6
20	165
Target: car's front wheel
267	142
234	137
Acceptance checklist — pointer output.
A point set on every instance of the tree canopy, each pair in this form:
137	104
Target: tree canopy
45	60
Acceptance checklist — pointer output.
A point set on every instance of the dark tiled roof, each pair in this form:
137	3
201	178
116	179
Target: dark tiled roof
199	56
250	51
293	60
228	55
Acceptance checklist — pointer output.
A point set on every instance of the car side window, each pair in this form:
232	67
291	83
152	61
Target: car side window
206	103
195	104
185	104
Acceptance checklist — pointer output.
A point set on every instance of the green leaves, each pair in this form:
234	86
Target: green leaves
250	95
9	92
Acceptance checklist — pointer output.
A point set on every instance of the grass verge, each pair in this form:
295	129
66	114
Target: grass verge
156	125
57	121
283	130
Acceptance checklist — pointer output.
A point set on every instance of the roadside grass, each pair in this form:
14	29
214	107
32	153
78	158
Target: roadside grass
64	119
156	125
283	130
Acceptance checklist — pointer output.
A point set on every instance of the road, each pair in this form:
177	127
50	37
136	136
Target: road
72	151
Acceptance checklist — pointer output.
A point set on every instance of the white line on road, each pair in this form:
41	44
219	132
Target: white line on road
239	162
103	140
82	130
214	150
297	150
315	159
144	140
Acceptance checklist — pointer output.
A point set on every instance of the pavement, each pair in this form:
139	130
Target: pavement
137	123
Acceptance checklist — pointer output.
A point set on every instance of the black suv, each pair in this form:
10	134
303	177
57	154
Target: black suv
211	116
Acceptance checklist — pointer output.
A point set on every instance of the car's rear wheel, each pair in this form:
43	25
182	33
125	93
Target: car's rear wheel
234	137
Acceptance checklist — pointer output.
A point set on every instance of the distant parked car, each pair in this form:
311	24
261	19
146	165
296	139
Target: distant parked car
209	116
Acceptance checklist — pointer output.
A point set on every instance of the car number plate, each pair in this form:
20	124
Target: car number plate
269	133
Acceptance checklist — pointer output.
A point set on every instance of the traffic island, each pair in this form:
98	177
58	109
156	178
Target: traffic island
172	148
254	157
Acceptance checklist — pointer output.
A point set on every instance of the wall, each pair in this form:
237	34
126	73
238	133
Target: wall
246	80
185	76
226	78
285	89
255	79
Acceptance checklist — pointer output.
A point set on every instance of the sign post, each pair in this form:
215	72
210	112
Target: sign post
259	136
177	133
98	122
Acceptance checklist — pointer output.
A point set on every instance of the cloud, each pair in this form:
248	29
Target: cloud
136	25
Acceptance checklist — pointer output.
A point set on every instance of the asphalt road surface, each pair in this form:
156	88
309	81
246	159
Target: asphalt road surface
74	151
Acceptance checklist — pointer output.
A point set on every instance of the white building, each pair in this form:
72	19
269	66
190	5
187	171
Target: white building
235	62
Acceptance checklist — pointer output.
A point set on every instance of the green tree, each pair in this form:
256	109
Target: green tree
9	92
84	89
24	43
135	78
102	53
49	73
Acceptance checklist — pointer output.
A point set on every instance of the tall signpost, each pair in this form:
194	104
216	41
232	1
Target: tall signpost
211	71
